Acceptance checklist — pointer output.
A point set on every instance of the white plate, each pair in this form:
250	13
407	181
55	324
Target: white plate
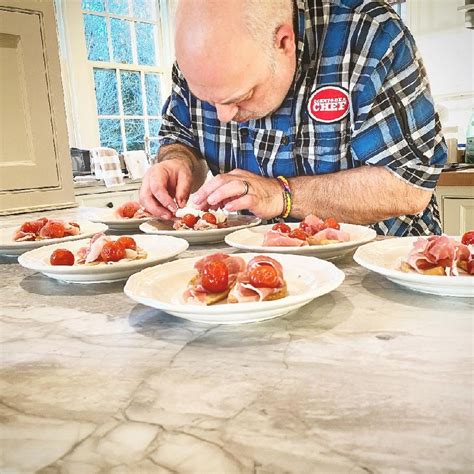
252	239
200	236
159	249
384	257
113	222
162	287
12	249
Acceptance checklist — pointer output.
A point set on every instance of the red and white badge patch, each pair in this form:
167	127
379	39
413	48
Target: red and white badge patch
329	104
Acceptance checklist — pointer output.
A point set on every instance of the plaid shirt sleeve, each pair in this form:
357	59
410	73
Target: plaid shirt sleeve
395	123
176	124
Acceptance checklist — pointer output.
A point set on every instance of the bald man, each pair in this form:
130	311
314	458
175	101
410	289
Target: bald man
331	95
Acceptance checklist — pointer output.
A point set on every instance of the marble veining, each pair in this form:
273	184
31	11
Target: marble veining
369	378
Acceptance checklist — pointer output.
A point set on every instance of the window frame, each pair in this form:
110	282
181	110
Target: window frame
78	71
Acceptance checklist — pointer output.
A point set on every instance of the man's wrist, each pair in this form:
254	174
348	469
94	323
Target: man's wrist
176	152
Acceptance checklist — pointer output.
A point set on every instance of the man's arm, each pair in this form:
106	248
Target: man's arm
362	195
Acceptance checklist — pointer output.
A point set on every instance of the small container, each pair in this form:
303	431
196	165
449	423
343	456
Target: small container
469	157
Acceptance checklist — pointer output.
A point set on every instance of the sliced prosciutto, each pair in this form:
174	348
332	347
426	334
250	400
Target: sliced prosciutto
247	289
312	224
131	210
196	293
275	238
438	251
325	235
45	228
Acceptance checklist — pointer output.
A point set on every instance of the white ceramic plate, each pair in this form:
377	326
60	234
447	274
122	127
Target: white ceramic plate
162	287
12	249
384	257
252	240
113	222
159	249
235	222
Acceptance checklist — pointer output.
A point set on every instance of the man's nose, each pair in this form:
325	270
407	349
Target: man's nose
226	112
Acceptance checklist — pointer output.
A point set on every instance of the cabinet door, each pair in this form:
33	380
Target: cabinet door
458	215
35	165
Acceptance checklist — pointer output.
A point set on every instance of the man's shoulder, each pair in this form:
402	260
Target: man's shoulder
377	10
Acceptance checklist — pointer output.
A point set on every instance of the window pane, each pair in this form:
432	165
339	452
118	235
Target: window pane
145	44
135	132
153	98
119	7
110	135
131	93
93	5
106	92
144	9
121	41
95	29
154	128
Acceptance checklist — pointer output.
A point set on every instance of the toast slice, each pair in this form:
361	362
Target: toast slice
211	298
404	267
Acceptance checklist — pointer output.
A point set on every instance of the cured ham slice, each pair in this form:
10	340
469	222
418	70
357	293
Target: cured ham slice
45	228
275	238
312	224
195	293
329	235
131	210
245	292
438	252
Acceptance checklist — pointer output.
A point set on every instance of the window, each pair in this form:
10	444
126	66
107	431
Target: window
122	43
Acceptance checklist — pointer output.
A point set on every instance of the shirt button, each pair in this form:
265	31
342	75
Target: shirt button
244	132
285	140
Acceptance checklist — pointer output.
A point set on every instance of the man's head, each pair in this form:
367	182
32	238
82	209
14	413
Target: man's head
238	55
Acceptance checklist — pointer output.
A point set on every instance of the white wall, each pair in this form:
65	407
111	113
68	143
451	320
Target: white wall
447	48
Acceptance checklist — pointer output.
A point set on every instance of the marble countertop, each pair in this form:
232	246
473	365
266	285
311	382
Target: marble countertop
369	378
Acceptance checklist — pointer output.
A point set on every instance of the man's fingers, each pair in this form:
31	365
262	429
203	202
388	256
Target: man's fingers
183	188
232	190
159	191
200	198
153	207
239	204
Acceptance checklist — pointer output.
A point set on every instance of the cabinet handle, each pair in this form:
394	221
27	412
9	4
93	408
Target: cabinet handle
110	205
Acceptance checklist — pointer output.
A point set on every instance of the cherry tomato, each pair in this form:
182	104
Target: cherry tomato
215	276
62	257
468	238
470	267
298	234
127	242
211	218
331	223
129	209
112	252
282	227
53	230
31	226
190	220
264	276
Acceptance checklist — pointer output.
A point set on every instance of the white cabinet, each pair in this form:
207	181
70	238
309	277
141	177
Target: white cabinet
456	205
110	199
35	167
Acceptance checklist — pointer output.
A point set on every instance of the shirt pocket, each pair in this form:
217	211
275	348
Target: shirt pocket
266	145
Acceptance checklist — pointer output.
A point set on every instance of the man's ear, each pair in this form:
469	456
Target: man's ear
284	39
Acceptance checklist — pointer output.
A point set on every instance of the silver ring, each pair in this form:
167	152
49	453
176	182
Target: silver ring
246	188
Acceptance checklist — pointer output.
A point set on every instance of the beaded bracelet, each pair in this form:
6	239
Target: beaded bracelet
287	196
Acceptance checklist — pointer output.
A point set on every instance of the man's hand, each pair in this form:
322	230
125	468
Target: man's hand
264	198
163	183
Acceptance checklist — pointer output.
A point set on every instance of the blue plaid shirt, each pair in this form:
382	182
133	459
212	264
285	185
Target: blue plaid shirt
362	47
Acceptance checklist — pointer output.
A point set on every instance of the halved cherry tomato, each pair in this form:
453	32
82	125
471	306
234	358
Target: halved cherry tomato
33	226
190	220
331	223
211	218
62	257
215	276
129	209
470	267
282	227
298	234
264	276
468	238
112	252
53	230
127	242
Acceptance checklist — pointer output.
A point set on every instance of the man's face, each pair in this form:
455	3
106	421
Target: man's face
252	91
